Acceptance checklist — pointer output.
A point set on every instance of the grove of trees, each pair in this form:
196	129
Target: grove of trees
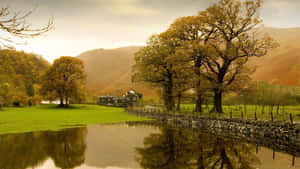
208	51
26	79
20	78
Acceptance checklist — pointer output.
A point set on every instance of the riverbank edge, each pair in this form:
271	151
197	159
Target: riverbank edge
282	134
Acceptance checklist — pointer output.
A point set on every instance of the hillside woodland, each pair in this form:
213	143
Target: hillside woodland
20	77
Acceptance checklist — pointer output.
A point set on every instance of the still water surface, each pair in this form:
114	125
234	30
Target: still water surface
134	147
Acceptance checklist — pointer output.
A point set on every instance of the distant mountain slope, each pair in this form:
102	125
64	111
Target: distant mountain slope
109	71
281	65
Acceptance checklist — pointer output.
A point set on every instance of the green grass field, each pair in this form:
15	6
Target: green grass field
49	117
282	115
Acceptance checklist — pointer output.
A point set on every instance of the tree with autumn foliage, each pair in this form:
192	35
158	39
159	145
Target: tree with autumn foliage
152	66
64	80
182	76
168	61
192	52
236	40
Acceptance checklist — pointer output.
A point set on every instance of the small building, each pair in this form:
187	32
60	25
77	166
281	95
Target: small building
129	99
133	97
106	100
50	102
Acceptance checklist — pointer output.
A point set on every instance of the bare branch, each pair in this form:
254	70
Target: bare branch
15	26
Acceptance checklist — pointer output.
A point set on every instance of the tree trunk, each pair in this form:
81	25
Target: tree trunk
67	102
198	64
271	108
199	103
178	101
277	110
61	102
168	98
218	101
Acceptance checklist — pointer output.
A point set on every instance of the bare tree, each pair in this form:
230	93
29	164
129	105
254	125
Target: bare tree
14	27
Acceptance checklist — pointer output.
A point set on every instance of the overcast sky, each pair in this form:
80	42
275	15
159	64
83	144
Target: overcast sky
81	25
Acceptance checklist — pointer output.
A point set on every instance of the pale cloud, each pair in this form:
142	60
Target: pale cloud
281	13
127	7
279	5
49	164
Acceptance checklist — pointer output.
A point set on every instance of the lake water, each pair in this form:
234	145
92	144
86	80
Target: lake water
125	146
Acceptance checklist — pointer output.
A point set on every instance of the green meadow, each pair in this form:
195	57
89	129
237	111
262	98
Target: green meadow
49	117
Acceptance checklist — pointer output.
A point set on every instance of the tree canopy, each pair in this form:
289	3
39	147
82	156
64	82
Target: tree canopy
152	67
65	79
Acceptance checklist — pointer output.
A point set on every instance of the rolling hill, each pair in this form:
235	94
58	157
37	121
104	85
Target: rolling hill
109	71
281	65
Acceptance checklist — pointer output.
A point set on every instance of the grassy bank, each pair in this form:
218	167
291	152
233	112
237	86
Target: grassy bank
49	117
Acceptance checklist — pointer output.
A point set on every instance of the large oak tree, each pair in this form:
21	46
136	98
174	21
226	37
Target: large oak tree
236	40
65	79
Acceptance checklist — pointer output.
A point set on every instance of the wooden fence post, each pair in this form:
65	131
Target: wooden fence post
256	149
255	115
231	115
291	118
272	118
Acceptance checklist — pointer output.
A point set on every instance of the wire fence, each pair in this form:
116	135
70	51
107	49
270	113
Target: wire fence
229	112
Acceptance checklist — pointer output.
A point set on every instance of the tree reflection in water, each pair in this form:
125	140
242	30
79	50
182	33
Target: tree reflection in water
184	148
66	148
